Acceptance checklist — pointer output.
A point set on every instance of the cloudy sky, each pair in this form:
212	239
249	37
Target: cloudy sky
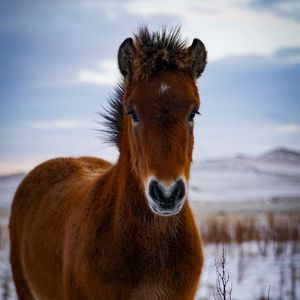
58	66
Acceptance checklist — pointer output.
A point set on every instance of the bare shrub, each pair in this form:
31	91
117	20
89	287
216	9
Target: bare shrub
266	297
223	289
5	281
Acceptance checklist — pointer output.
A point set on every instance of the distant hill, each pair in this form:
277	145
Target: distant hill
265	179
279	161
17	176
272	178
278	155
281	155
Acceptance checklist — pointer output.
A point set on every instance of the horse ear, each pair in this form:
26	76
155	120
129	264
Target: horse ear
198	57
125	56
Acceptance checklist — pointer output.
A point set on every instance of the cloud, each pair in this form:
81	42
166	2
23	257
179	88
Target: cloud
106	75
61	124
61	44
177	8
287	8
289	128
289	54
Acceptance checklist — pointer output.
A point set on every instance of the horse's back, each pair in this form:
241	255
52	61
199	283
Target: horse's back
49	176
41	207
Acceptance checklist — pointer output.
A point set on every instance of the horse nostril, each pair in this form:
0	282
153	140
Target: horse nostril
155	191
178	191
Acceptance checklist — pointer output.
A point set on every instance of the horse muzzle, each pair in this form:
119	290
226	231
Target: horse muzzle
166	200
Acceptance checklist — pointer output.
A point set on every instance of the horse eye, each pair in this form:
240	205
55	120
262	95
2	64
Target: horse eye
193	114
134	116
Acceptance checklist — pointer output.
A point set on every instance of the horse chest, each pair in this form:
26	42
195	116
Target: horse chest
140	275
133	262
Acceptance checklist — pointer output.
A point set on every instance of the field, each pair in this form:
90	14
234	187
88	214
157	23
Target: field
262	255
248	211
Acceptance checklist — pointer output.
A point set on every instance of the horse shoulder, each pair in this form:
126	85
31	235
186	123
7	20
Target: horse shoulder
44	202
53	172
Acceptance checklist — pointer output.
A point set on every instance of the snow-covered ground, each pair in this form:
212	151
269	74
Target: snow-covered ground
8	186
252	273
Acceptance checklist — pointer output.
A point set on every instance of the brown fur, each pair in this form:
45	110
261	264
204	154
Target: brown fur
81	228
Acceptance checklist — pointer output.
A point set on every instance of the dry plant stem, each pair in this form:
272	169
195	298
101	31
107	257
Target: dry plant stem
5	286
223	288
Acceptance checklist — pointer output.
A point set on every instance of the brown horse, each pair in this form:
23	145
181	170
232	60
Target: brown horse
82	228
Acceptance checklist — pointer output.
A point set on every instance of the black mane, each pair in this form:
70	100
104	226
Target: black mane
113	116
152	43
159	50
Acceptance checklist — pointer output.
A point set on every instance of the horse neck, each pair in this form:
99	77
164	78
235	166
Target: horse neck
131	211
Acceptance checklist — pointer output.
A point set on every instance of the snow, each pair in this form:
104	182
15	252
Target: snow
7	288
253	273
243	180
282	155
8	186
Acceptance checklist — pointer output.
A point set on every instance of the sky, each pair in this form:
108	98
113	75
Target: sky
58	67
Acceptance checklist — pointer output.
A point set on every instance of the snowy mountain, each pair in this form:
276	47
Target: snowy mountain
8	186
272	178
281	155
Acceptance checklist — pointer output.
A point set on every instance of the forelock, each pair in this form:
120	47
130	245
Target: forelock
159	50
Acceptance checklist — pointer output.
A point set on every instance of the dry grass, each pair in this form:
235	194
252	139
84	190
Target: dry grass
262	228
275	232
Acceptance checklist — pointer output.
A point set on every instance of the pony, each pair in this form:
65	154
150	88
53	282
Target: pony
83	228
